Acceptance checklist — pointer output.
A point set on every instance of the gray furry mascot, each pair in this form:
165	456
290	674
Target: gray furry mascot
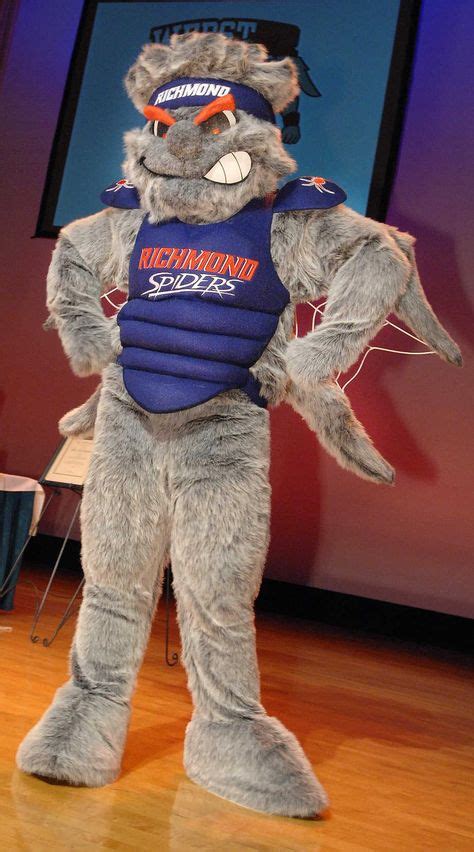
214	258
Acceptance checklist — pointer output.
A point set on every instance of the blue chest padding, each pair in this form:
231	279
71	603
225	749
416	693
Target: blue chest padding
308	193
120	194
204	302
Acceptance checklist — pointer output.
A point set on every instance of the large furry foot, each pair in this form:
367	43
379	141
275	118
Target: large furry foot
78	741
253	762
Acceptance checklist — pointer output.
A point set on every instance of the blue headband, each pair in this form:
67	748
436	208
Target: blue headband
200	91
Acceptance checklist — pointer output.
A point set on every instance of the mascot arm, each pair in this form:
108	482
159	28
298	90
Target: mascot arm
366	270
80	270
369	270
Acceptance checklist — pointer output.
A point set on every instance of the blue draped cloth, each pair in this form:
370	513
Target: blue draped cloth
16	511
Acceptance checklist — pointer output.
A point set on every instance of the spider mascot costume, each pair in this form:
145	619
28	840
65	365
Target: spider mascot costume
214	258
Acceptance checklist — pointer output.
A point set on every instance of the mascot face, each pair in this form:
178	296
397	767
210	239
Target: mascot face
210	144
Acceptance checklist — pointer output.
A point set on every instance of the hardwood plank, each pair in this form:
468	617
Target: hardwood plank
387	725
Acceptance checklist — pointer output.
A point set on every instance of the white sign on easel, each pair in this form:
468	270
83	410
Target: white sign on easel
70	464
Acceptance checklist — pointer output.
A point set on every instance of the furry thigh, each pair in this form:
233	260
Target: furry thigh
125	513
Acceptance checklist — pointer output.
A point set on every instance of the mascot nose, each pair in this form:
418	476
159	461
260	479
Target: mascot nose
184	140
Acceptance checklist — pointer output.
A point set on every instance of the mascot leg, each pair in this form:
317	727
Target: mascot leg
80	739
219	542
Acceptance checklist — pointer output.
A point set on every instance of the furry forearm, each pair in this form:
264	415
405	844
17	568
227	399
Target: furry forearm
73	293
363	291
270	369
368	270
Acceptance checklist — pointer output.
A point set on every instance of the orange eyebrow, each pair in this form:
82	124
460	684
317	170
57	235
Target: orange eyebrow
155	113
218	105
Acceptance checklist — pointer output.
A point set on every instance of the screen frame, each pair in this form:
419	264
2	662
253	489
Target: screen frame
388	142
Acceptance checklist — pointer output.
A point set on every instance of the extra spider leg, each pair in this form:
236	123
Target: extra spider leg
328	413
81	420
368	270
414	309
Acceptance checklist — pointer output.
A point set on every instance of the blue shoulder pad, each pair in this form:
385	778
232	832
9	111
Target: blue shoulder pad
120	194
308	193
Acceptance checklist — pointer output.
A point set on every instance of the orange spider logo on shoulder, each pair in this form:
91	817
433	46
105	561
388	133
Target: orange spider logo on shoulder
319	183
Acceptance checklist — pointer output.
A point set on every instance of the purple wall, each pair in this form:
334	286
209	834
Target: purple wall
409	544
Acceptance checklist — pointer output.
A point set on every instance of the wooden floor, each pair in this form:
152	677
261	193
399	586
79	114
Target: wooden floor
387	726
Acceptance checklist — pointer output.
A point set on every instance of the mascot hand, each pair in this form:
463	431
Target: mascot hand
88	346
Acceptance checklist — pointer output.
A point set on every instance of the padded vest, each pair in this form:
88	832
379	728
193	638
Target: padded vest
204	301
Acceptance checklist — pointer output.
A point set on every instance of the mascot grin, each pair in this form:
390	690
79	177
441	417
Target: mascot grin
213	120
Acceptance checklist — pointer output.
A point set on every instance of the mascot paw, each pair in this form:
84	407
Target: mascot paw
91	361
256	763
90	348
79	741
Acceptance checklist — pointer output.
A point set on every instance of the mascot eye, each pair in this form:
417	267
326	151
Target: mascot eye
219	122
159	128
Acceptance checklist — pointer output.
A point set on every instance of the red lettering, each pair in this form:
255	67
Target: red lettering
231	265
215	261
144	258
153	257
177	258
158	261
195	260
209	261
249	269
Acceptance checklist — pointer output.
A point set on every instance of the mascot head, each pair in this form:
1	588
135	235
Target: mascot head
210	143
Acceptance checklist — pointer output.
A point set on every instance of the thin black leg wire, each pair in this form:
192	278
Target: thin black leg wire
170	661
66	615
39	606
33	636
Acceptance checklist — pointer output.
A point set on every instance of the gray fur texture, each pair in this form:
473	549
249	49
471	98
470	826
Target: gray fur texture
414	309
81	420
85	336
89	254
169	173
366	274
125	546
328	413
193	486
271	771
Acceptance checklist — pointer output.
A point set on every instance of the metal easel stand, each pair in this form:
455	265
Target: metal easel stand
56	487
40	607
171	659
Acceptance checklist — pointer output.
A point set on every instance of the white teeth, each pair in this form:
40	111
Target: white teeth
231	168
